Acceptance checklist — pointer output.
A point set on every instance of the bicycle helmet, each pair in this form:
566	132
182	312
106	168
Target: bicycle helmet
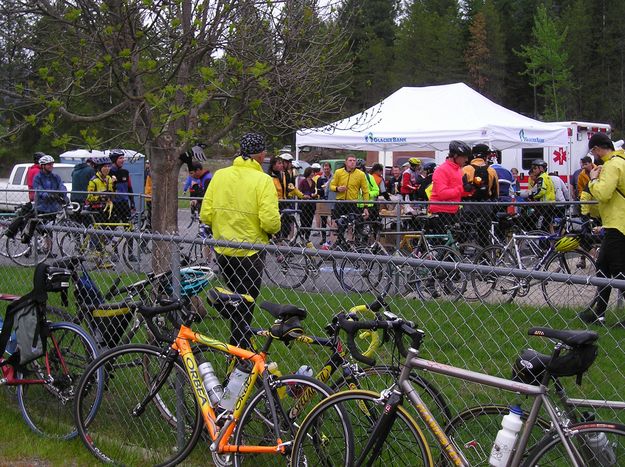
539	163
115	154
429	167
481	150
193	280
568	243
459	148
45	159
100	161
361	164
38	155
414	161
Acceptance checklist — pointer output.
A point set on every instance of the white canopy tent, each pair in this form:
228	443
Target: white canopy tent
418	118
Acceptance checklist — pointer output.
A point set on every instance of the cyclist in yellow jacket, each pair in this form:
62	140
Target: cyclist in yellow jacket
241	205
349	183
100	184
607	185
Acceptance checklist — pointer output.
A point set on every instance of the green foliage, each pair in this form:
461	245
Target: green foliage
546	62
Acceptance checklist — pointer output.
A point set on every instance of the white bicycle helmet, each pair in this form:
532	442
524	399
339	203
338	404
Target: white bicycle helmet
45	159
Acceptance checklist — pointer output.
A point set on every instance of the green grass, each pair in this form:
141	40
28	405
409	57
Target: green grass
478	337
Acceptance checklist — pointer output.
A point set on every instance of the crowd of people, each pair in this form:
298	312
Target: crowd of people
242	204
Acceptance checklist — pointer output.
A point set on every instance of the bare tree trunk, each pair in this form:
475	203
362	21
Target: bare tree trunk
165	167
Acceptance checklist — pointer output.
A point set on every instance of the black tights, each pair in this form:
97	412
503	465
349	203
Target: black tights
243	275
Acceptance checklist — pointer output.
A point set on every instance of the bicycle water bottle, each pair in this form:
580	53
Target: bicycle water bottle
294	389
598	444
506	437
212	385
238	377
275	371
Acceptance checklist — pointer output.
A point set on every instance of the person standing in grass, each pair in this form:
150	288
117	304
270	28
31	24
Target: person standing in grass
241	205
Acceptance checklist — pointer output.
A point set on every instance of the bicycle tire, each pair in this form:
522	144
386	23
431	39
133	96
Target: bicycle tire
474	430
256	426
47	408
359	275
287	270
133	248
492	288
29	254
562	295
338	427
115	434
71	243
58	234
551	451
379	377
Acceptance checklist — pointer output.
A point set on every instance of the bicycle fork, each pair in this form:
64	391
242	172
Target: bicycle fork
156	383
380	430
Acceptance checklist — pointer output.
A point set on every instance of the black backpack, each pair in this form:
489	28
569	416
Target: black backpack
481	183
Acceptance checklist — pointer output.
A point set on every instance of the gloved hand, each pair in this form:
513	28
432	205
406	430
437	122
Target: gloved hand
196	152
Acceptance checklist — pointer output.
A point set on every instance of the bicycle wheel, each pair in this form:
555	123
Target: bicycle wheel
72	244
599	444
135	253
360	275
47	408
338	428
256	426
450	284
288	270
378	378
58	234
474	430
490	287
32	253
561	295
117	433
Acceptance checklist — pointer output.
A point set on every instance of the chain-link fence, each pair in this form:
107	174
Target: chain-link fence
475	280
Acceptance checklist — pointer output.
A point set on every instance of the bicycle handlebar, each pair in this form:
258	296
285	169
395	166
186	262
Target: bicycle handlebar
150	312
398	326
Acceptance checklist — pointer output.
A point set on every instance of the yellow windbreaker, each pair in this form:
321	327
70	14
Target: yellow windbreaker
606	190
355	181
241	205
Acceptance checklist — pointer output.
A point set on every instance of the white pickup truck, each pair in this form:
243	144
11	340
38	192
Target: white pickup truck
10	199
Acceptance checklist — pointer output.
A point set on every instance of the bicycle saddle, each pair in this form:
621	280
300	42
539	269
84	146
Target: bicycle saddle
283	311
571	338
221	299
288	324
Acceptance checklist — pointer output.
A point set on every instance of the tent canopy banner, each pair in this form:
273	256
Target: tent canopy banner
417	118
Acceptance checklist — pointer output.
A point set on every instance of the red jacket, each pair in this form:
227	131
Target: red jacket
447	186
409	182
33	170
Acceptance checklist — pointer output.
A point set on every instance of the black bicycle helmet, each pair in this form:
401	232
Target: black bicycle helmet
38	155
429	167
539	163
115	154
459	148
361	164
